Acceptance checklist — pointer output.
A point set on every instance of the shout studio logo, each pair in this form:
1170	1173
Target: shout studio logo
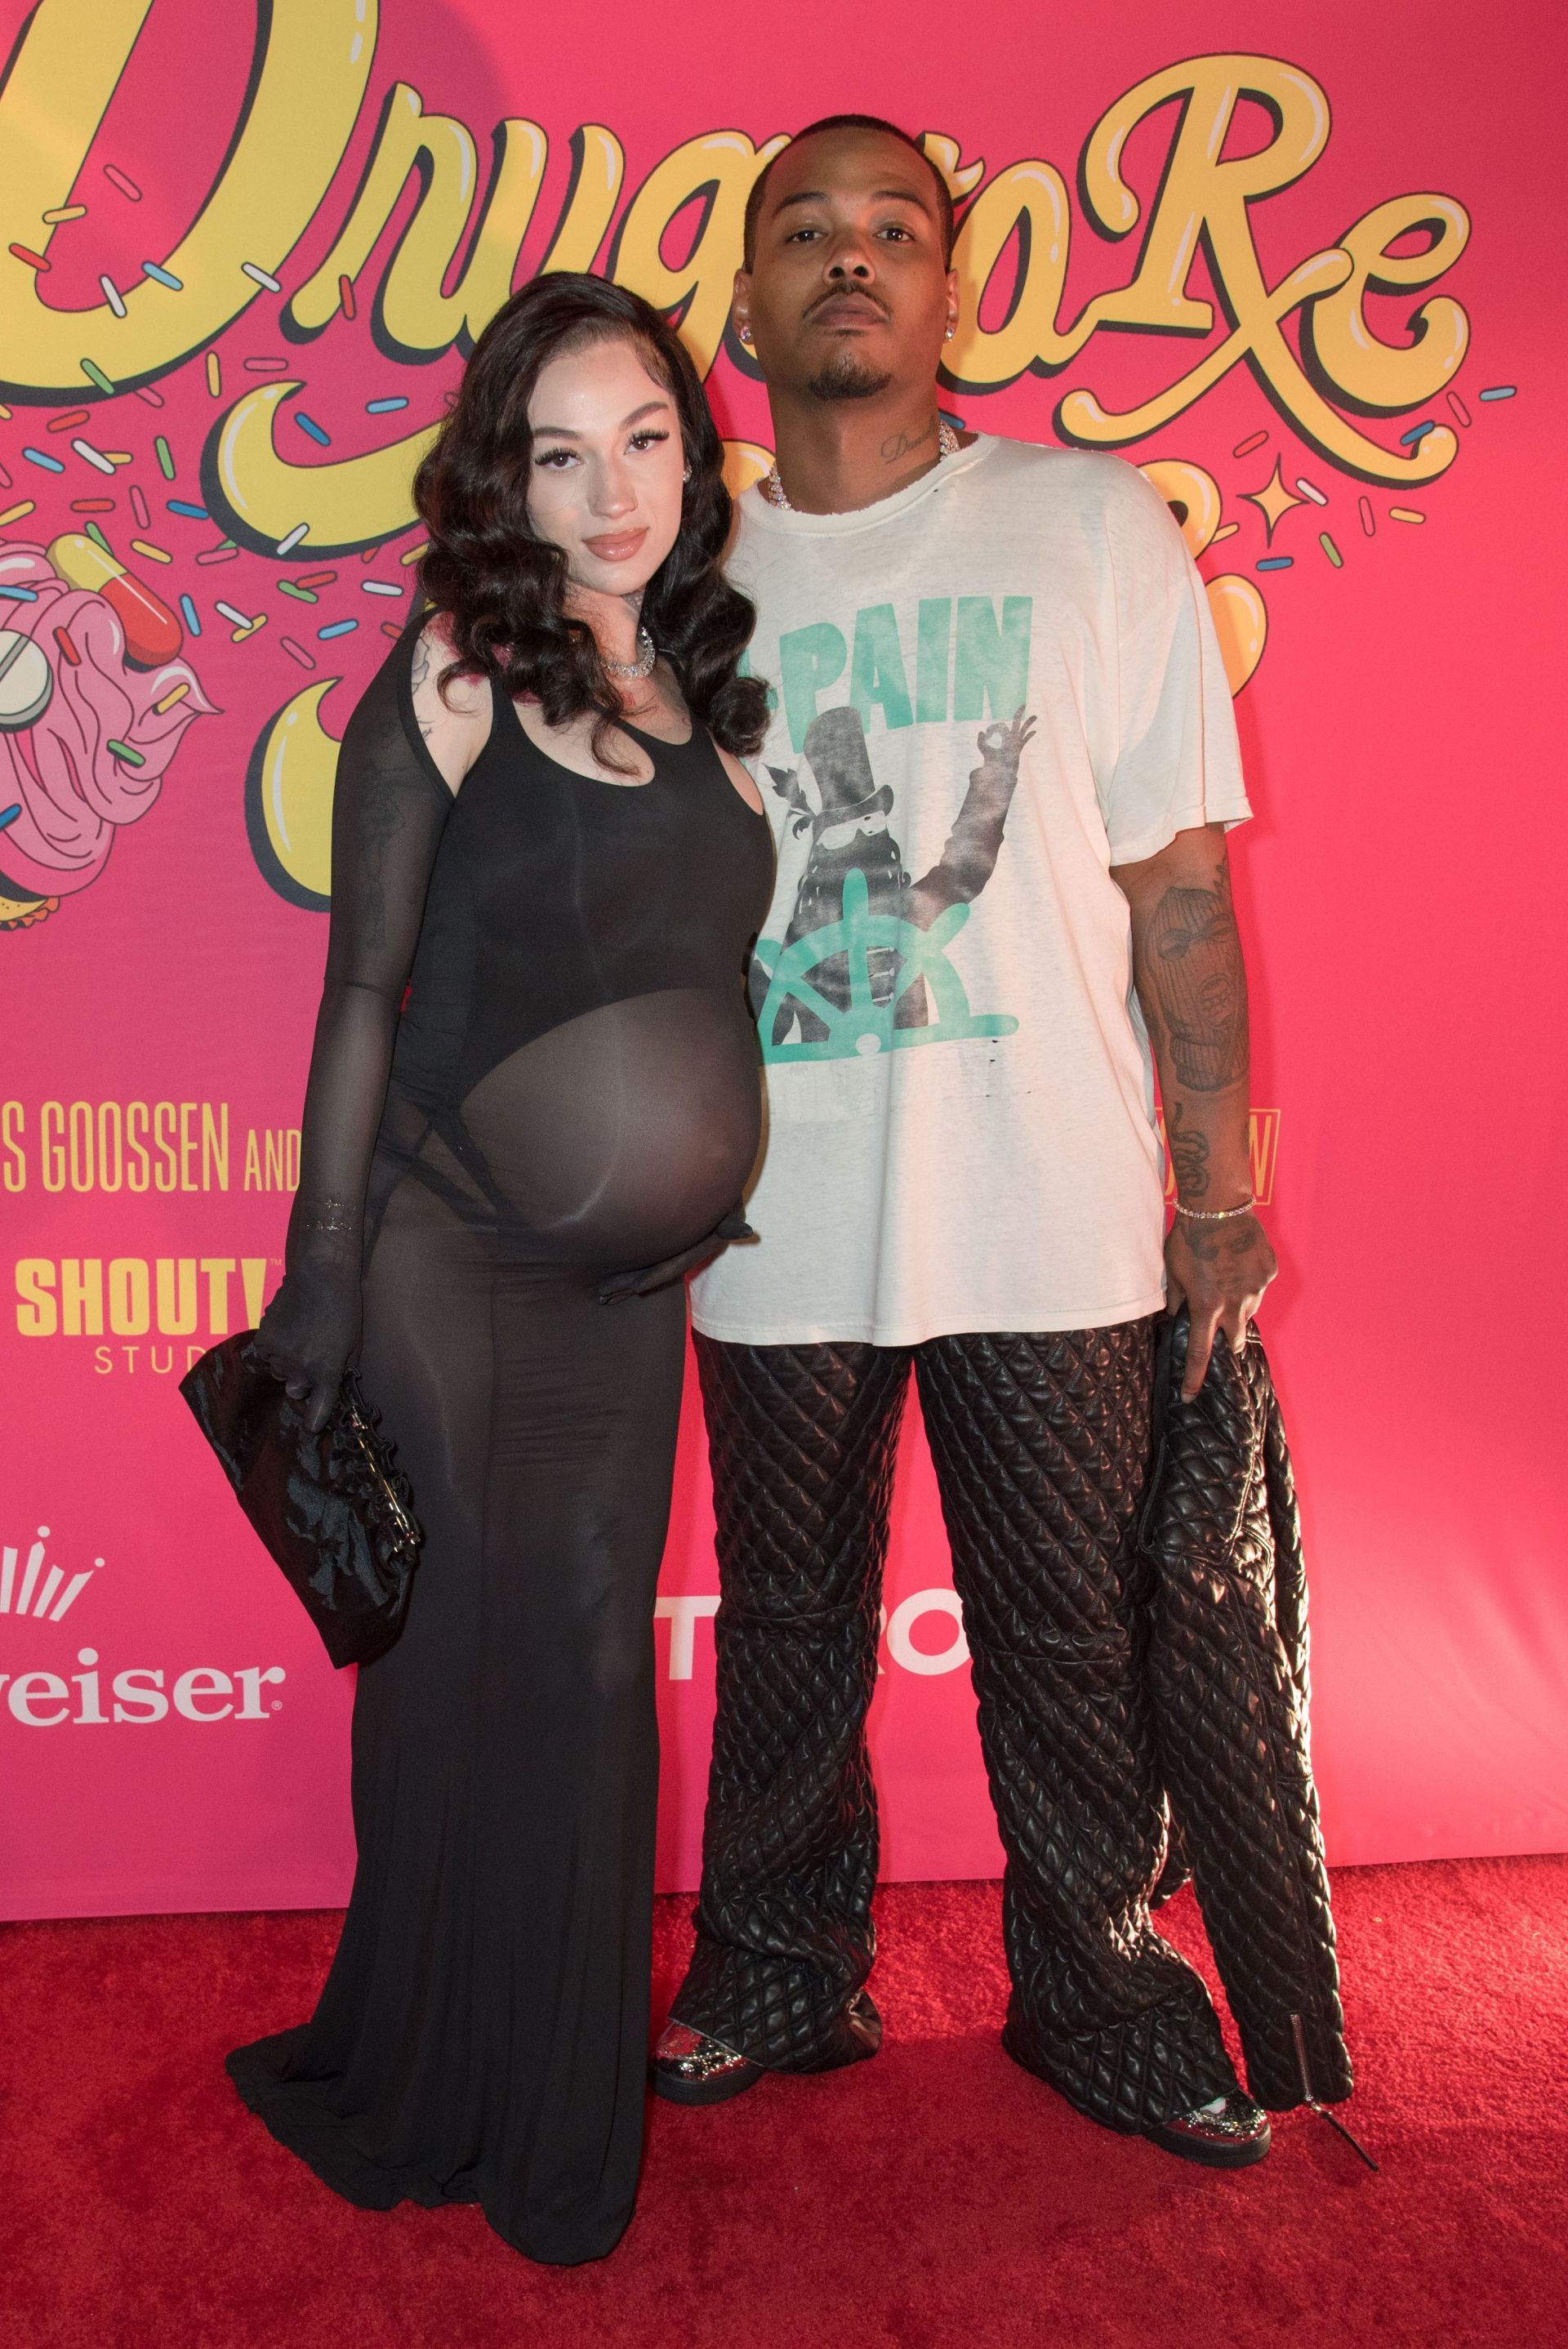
37	1591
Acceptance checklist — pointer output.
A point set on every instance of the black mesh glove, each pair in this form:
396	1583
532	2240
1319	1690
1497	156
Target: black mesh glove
389	807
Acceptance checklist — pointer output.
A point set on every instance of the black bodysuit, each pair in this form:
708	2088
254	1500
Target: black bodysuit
575	1091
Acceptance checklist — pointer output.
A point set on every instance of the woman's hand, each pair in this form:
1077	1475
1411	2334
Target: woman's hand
310	1333
659	1276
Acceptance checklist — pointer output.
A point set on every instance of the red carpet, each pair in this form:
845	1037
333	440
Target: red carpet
937	2195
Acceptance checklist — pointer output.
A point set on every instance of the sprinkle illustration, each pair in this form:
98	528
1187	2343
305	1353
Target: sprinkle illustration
1368	519
240	619
18	513
265	367
66	212
345	296
316	578
113	296
239	635
94	505
379	587
153	554
92	456
163	276
139	508
424	547
1245	447
123	750
99	539
34	260
300	594
1310	490
95	374
30	595
66	644
1331	550
254	269
1461	413
217	555
165	457
49	464
153	398
1226	530
286	545
68	421
390	628
1417	434
296	652
183	506
1499	391
118	179
190	616
307	424
339	628
1274	562
166	701
384	407
214	375
1406	513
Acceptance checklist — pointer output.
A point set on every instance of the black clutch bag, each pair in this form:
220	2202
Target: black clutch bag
332	1508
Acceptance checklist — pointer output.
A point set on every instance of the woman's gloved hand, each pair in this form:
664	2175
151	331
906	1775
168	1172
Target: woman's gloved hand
691	1259
310	1333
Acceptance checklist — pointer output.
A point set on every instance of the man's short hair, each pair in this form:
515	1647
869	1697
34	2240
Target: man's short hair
849	122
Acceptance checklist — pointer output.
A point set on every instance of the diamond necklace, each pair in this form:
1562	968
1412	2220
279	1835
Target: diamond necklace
773	488
643	664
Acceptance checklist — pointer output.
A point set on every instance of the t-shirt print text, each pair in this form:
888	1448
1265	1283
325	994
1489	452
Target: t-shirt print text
863	966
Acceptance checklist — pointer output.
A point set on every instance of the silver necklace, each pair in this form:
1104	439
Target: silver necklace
643	664
773	488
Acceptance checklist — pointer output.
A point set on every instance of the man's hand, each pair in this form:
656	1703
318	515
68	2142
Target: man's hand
1220	1272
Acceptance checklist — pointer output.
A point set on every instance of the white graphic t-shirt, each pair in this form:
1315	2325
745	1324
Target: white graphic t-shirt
989	689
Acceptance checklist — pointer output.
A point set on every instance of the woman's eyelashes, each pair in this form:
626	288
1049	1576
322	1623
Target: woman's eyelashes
556	460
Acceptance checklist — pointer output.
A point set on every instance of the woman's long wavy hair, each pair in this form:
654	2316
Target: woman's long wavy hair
502	588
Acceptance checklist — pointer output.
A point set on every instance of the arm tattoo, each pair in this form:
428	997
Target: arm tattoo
1200	985
421	670
1188	1149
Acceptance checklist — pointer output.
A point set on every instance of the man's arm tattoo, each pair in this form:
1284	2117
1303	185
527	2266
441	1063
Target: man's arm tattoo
1193	963
1189	1151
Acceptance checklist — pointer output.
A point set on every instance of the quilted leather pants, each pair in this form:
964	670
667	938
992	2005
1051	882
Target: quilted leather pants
1041	1445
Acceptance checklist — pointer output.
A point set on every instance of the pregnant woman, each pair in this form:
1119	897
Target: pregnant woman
533	1102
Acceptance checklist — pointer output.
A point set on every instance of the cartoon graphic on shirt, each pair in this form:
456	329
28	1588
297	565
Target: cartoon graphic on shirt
863	966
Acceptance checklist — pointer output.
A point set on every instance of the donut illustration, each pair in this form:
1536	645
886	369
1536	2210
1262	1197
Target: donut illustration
94	703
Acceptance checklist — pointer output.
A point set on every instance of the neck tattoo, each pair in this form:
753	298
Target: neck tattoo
773	490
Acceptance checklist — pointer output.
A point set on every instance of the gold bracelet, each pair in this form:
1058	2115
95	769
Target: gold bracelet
1215	1214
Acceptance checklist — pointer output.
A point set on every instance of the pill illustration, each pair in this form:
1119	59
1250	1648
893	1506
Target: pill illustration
26	681
152	633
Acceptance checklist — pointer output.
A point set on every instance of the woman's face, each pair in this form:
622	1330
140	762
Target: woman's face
605	476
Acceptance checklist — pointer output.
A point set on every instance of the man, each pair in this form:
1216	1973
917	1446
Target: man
963	1174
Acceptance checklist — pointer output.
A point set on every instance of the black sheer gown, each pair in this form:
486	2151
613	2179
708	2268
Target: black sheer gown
575	1091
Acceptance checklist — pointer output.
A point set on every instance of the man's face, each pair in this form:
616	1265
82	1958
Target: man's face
849	291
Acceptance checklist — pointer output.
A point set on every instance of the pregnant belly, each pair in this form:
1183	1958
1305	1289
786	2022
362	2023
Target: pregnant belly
625	1135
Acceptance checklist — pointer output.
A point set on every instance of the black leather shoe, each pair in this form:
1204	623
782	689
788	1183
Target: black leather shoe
690	2068
1231	2138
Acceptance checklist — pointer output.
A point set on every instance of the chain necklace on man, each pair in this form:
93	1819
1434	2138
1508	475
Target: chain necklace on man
773	488
643	664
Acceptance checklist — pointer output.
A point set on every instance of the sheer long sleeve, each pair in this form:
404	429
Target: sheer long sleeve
390	808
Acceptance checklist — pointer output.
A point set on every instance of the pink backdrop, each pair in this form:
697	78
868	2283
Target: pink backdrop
1390	630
